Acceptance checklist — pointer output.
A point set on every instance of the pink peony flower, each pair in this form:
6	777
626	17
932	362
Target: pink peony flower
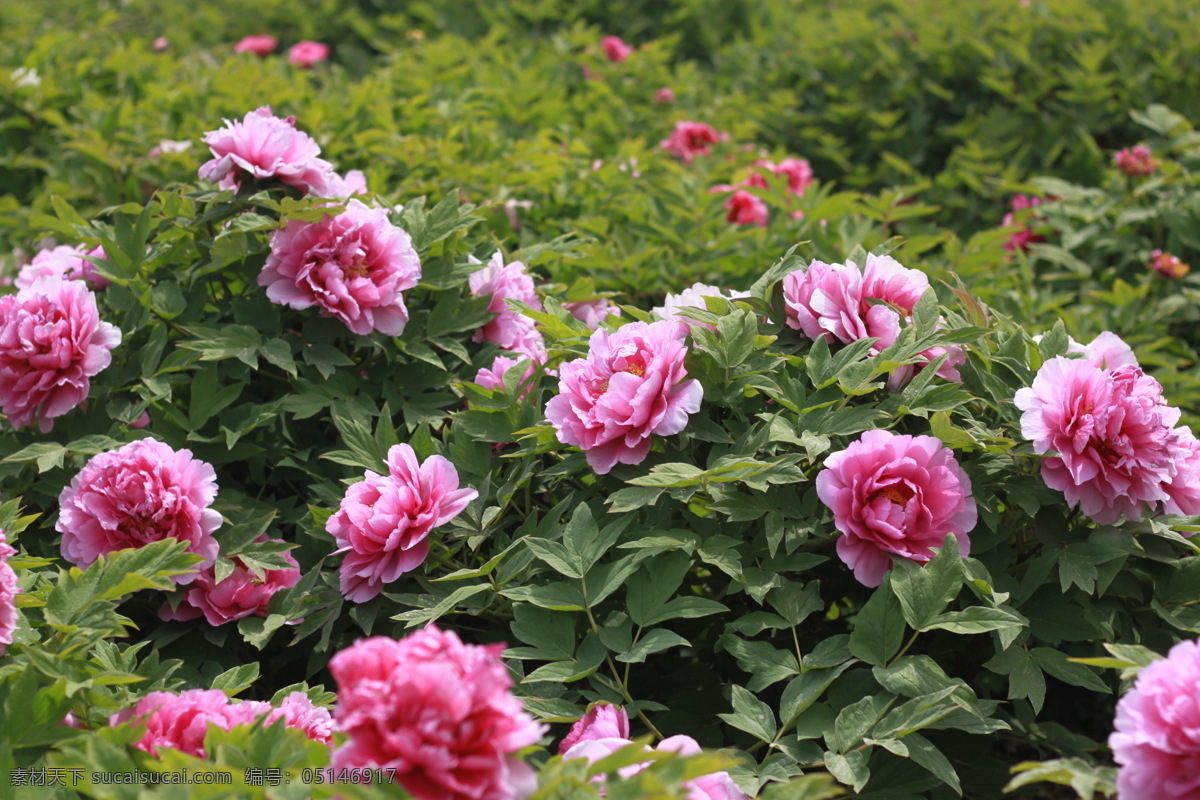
692	297
664	96
260	45
493	377
1106	351
510	329
66	262
355	266
52	343
1135	161
139	493
746	209
240	594
384	520
894	494
798	171
1164	264
615	48
298	712
632	385
1112	432
161	44
8	594
142	421
354	183
261	147
690	139
1183	487
439	712
1156	736
835	301
305	54
169	147
602	721
592	312
1022	238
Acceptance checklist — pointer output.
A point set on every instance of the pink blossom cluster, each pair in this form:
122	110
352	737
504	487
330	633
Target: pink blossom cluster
845	303
1118	450
139	493
302	54
631	386
8	594
615	48
439	712
690	139
894	494
1156	737
692	297
181	721
604	730
354	266
1024	236
509	329
747	208
1168	266
52	342
240	594
1136	161
67	262
384	521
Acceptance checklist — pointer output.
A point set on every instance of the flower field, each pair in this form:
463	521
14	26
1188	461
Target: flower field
554	400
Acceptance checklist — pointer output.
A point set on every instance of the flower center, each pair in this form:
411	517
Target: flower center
357	269
898	493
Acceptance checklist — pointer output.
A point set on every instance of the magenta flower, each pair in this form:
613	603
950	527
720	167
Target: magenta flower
384	521
746	209
1136	161
260	45
298	712
615	48
240	594
665	96
305	54
798	172
632	385
1156	736
509	328
66	262
895	495
1112	431
602	721
355	266
8	594
592	312
1164	264
493	377
439	712
1024	236
692	297
690	139
139	493
52	343
261	147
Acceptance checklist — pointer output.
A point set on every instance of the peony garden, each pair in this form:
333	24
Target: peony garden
554	400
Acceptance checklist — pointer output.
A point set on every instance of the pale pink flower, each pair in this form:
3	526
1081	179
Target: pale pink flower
353	184
259	45
692	297
240	594
52	343
160	44
67	262
261	147
139	493
510	329
1156	736
632	385
305	54
1106	351
746	209
798	171
142	421
1112	431
384	520
1136	161
298	712
1168	266
169	147
894	494
1183	487
354	265
602	721
592	312
615	48
664	96
8	594
493	377
439	712
690	139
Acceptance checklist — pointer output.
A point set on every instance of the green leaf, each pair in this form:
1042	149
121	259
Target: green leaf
976	619
751	715
856	720
922	751
652	642
235	680
925	590
766	664
878	627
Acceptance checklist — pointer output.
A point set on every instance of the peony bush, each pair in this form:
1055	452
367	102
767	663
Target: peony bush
663	468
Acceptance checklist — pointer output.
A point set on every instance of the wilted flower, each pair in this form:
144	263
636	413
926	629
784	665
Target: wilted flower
260	45
1156	737
1168	266
384	520
240	594
354	265
895	495
690	139
305	54
67	262
52	343
8	594
632	385
746	209
262	146
692	297
139	493
439	712
1135	161
615	48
